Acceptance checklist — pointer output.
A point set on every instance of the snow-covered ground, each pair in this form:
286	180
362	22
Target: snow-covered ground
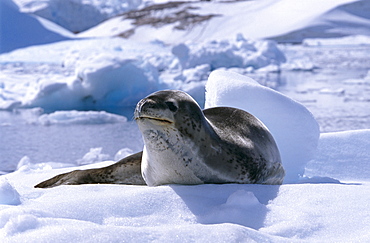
57	89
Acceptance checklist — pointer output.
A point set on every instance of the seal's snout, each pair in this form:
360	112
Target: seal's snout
150	109
145	106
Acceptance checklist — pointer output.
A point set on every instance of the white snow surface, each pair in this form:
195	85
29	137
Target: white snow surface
19	30
325	197
284	20
349	150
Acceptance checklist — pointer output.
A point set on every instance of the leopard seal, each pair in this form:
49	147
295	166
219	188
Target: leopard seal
184	144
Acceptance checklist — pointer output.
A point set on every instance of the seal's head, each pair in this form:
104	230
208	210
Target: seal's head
167	108
171	123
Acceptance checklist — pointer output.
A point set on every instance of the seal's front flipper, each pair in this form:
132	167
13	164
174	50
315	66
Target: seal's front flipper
125	171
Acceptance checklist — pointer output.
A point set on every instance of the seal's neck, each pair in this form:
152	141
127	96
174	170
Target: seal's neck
175	155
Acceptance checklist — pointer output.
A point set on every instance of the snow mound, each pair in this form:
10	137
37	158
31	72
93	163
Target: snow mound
116	80
93	156
122	153
8	194
239	53
80	117
19	30
102	82
293	127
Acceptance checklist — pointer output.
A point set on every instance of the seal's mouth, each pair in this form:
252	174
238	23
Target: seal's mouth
155	119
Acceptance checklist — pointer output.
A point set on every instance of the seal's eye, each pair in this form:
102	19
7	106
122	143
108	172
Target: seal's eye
171	106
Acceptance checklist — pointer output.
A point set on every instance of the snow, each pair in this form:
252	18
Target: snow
84	80
93	156
349	153
312	19
19	30
100	82
65	12
57	90
240	53
9	196
329	23
282	20
312	16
